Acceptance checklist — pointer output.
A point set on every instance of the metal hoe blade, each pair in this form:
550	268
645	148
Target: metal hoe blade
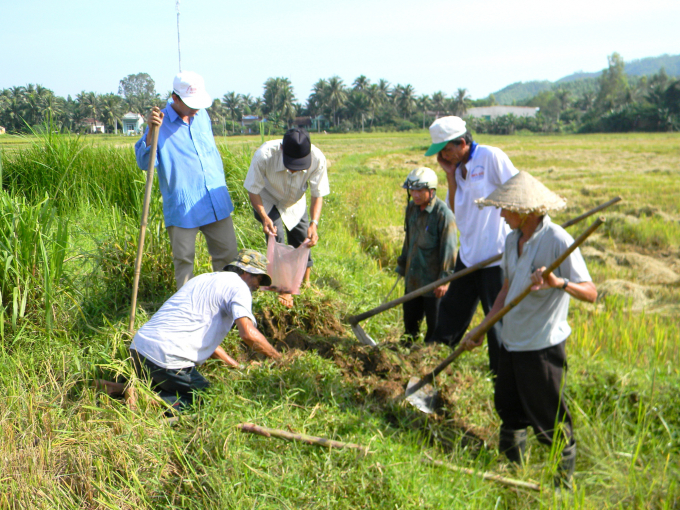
363	337
425	399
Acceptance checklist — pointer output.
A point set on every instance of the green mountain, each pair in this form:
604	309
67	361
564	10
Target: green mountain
645	66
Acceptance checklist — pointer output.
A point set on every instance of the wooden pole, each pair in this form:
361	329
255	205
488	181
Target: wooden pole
429	378
290	436
355	319
485	475
142	228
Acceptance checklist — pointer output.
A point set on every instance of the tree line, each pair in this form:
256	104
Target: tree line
611	102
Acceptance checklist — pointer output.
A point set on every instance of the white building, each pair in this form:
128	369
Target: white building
132	123
93	126
491	112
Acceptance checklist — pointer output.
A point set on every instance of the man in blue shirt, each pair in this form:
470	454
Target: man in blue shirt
191	177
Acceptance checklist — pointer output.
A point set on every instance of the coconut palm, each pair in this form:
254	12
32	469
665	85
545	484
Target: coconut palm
461	102
90	104
112	110
439	102
279	99
231	102
357	107
361	83
337	96
405	99
385	90
374	99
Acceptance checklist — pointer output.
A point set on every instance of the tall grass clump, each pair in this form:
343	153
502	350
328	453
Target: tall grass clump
72	172
33	244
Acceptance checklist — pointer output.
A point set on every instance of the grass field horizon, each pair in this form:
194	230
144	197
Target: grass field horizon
69	214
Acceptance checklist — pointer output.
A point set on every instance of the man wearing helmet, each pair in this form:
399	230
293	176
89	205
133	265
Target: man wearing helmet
472	171
428	251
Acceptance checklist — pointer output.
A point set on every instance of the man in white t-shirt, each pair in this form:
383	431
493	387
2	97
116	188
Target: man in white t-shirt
278	177
472	171
190	326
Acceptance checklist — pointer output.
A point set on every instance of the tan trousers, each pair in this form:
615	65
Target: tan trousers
222	247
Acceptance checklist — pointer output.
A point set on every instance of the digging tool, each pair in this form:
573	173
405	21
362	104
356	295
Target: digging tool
429	378
153	130
364	338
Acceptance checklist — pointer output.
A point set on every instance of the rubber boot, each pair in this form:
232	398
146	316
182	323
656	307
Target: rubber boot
565	470
513	443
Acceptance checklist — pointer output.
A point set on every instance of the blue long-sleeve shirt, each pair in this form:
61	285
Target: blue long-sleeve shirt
190	171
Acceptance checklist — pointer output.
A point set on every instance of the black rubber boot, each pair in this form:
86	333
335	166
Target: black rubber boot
513	443
565	470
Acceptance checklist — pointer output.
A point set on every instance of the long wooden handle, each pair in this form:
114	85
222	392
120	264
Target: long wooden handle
354	319
501	313
304	438
153	129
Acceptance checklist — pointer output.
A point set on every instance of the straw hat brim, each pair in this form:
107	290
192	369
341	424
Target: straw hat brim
524	194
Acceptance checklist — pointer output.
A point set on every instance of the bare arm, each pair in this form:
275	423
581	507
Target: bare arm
497	306
267	223
584	291
222	354
315	214
250	335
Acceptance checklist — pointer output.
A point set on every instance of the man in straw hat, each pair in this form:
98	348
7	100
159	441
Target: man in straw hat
532	359
190	177
190	326
428	251
472	171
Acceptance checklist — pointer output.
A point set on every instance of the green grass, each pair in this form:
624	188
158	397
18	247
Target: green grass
65	445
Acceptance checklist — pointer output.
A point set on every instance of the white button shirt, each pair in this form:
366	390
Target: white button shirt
278	187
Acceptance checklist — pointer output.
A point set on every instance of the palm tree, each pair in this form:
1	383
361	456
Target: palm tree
385	90
231	102
279	98
375	100
361	83
111	110
318	99
404	97
461	102
357	106
337	96
423	104
439	102
90	103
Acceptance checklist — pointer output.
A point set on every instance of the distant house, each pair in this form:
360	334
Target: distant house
320	123
93	126
491	112
2	130
302	122
132	123
247	121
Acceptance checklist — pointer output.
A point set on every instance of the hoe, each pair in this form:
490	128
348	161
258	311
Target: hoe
365	338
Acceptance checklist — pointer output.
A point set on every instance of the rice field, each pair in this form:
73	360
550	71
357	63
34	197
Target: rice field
69	213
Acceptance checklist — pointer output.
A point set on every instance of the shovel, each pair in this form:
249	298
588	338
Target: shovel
423	399
365	338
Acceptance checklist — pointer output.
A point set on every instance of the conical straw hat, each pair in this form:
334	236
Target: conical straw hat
524	194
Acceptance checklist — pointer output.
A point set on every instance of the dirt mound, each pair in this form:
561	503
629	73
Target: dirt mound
313	317
648	269
639	295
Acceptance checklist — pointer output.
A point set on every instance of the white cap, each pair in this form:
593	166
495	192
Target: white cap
444	130
190	87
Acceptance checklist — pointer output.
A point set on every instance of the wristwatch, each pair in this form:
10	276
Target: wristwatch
566	282
316	222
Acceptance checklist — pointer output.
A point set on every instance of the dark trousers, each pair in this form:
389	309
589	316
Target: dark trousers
175	386
414	311
530	391
294	237
459	304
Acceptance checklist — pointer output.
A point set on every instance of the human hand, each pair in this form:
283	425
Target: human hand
541	283
268	226
449	168
312	235
441	290
155	117
468	343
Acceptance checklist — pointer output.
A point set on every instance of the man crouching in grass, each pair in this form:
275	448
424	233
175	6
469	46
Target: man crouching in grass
190	326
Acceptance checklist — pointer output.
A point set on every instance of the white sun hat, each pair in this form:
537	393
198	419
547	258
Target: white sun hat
523	194
190	87
443	130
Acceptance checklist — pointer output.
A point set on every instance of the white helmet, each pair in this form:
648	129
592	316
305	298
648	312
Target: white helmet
421	178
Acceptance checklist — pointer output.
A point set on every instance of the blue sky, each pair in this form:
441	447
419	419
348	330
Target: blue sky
74	45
